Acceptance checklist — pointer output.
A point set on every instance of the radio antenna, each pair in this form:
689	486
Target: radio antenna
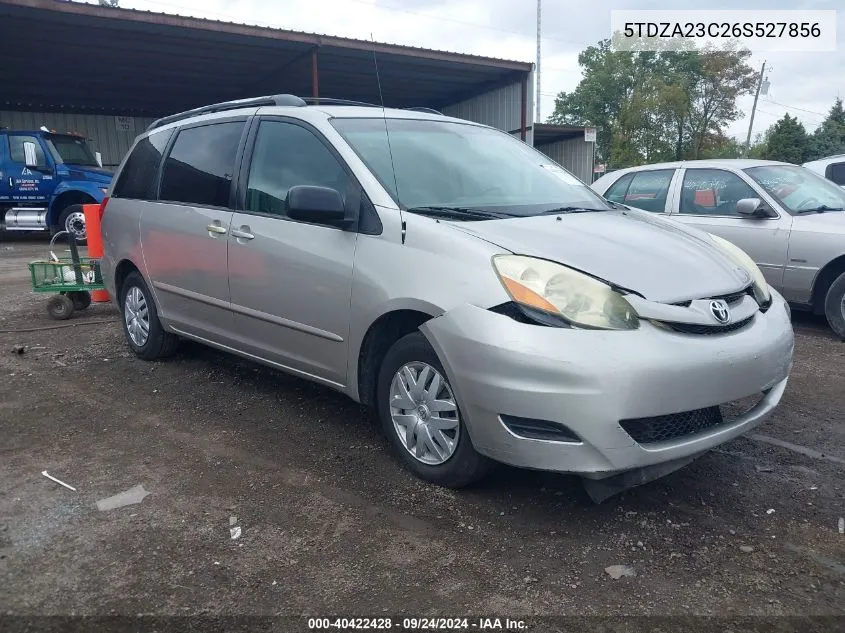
387	136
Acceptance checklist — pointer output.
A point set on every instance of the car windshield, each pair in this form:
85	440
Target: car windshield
71	150
798	189
452	168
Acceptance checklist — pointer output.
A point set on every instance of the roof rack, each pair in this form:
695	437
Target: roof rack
277	100
329	101
428	110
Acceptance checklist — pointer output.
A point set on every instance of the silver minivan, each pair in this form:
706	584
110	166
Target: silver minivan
487	304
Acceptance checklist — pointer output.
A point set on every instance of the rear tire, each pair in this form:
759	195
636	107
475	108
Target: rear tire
143	330
60	307
834	306
462	465
81	299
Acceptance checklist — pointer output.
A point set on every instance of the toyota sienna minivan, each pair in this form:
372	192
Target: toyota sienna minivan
486	303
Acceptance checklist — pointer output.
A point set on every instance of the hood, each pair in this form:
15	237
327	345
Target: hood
84	172
654	257
827	222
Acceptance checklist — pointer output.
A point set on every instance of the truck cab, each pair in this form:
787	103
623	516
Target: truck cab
45	178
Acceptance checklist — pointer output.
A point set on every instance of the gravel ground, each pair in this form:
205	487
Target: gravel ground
329	523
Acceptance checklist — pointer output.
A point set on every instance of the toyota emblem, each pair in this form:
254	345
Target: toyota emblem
720	311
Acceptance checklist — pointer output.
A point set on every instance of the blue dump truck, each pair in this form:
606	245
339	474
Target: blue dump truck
45	178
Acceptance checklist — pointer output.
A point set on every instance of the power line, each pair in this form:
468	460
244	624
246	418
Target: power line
783	105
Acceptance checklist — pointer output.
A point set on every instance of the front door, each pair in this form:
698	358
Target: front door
185	233
708	202
22	184
291	282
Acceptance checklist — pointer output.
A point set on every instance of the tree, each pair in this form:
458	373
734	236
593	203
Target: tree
656	105
787	141
829	137
108	3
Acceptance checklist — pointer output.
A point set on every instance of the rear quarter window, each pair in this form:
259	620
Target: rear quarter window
137	180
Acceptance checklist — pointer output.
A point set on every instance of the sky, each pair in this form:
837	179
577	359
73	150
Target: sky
803	84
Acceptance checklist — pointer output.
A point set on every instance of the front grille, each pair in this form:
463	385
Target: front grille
695	328
662	428
730	299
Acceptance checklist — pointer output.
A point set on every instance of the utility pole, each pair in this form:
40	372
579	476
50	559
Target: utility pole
753	110
538	97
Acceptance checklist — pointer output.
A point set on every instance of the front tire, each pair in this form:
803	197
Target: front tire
421	419
60	307
72	220
143	330
834	306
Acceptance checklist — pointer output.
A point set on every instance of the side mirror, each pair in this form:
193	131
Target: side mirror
30	157
99	157
753	208
319	205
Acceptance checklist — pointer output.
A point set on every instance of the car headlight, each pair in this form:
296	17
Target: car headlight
564	293
741	258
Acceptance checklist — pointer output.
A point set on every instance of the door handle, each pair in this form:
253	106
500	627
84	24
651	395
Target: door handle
216	228
243	233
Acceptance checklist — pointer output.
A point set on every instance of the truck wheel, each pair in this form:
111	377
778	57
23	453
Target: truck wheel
72	220
420	416
81	299
60	307
834	306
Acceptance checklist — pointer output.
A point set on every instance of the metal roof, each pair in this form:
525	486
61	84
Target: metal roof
546	133
89	58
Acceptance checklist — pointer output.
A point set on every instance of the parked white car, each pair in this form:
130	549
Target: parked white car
832	168
790	220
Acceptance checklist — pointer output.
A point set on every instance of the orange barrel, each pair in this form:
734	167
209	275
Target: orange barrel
93	214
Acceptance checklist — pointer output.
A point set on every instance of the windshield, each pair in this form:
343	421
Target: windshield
798	189
446	165
71	150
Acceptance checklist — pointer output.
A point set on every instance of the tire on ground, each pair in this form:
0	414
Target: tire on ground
834	306
81	299
159	344
60	307
63	218
465	466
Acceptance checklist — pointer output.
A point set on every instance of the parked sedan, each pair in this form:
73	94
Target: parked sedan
790	220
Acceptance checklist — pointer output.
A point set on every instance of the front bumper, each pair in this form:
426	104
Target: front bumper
591	380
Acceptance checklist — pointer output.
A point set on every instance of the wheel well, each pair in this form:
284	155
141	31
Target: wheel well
65	200
383	333
121	272
826	276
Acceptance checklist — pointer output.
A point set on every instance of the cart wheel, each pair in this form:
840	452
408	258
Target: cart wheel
81	299
60	307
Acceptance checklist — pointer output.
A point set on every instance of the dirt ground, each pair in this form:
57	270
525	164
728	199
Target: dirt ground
330	524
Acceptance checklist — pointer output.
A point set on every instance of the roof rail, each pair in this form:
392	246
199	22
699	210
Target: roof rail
329	101
255	102
429	110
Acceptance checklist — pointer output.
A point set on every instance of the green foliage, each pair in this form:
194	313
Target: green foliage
650	106
787	140
829	137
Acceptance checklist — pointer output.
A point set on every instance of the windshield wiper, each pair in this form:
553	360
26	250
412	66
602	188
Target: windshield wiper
820	209
570	210
459	213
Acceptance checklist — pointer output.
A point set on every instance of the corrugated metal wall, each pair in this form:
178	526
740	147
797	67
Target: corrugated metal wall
110	135
500	108
575	154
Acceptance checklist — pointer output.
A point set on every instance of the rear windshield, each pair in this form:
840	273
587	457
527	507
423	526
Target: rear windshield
430	163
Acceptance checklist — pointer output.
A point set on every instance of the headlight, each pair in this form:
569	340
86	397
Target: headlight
564	293
741	258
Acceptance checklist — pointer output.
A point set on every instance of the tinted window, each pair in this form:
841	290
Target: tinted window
287	155
713	192
200	166
16	151
836	173
649	189
618	190
138	178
